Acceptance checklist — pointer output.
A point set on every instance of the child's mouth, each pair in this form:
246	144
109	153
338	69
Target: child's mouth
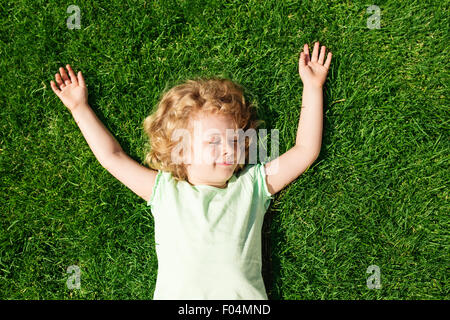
224	164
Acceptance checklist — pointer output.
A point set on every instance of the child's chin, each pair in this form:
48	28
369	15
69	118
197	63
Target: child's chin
225	167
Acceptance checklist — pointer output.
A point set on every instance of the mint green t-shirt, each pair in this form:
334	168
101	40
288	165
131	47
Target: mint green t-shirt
208	239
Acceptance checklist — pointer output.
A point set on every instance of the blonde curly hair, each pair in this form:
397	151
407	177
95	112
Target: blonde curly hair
179	104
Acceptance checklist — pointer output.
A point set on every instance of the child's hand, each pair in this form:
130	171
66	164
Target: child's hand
73	91
313	71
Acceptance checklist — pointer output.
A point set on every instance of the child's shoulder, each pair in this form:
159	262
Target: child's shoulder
250	170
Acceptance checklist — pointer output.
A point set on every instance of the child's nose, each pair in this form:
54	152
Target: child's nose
228	148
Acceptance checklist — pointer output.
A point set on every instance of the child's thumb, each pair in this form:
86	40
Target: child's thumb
81	79
302	60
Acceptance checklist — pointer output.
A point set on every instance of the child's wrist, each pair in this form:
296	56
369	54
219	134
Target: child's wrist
79	108
311	86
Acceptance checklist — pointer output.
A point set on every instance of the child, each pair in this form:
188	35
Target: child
208	207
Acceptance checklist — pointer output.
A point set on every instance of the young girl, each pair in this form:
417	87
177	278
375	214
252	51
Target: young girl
208	207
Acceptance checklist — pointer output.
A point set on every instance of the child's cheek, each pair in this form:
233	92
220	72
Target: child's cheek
213	152
207	155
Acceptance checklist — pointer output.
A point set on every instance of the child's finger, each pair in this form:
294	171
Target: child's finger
55	88
315	53
328	61
58	79
301	62
64	76
322	55
81	79
72	75
306	53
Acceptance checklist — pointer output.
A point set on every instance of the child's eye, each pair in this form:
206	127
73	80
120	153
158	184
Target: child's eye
217	142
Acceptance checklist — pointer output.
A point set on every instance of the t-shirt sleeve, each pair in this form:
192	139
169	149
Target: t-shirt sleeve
261	183
155	189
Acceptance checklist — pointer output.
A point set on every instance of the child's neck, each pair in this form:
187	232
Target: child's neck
211	185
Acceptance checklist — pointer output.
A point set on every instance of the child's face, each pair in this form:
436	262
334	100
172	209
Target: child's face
211	147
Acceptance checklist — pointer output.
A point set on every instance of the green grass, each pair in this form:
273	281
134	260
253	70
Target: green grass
377	194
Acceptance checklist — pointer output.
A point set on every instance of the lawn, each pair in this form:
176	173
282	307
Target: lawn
377	194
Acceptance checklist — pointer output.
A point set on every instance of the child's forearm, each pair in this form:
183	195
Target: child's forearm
309	132
99	139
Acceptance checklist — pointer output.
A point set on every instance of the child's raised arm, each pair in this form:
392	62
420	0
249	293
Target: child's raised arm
284	169
73	93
